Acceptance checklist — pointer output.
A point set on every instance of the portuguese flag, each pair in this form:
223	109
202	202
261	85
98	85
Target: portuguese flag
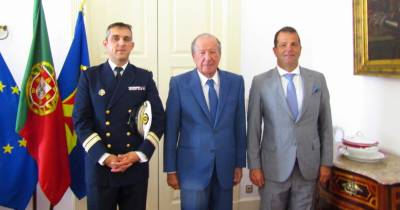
40	115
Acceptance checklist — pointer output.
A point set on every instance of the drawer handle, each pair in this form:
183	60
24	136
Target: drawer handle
351	188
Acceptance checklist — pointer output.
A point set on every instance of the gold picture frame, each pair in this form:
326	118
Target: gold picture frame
377	37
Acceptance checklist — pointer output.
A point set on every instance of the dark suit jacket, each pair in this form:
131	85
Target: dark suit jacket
101	114
193	145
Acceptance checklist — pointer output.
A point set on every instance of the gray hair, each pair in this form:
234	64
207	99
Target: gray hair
118	25
205	35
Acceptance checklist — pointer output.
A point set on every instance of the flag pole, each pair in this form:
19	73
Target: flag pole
83	2
34	200
51	207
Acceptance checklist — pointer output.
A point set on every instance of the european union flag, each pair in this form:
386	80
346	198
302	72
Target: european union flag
18	171
77	60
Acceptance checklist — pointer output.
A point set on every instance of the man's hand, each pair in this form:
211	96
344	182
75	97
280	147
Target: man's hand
237	176
257	177
110	161
324	175
172	180
125	161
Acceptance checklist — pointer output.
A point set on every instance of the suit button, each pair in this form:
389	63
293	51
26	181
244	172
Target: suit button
109	146
128	145
128	133
108	111
108	134
107	122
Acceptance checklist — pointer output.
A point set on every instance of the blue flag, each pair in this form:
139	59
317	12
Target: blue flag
77	60
18	171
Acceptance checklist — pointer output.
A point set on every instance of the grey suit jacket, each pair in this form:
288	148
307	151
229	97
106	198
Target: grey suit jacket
275	147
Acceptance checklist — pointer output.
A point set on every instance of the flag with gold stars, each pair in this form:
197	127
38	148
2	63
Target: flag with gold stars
77	60
40	116
18	172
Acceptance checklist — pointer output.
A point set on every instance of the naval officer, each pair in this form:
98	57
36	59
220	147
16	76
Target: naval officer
106	102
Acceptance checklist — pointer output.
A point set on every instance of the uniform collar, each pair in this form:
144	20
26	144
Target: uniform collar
113	65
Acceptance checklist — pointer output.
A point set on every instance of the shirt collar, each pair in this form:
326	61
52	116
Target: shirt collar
113	65
203	79
283	71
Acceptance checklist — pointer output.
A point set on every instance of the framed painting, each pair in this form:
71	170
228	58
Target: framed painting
377	37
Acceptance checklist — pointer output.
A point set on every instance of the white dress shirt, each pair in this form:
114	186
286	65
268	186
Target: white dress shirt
297	81
113	65
203	80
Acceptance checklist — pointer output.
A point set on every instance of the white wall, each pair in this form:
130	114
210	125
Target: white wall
60	19
359	103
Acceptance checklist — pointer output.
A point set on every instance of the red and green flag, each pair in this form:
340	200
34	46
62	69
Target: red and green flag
40	115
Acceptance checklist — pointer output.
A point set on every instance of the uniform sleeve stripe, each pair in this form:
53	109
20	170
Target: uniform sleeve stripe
90	141
152	137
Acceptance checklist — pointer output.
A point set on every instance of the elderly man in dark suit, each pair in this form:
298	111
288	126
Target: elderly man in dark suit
205	136
117	168
294	147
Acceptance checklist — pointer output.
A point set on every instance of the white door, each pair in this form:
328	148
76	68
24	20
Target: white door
179	21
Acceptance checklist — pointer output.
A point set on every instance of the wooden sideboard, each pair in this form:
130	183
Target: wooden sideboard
362	186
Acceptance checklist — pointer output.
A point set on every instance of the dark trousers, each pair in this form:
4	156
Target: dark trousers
128	197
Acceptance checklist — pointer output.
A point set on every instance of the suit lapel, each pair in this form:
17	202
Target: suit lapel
107	80
197	91
224	89
307	90
127	78
277	86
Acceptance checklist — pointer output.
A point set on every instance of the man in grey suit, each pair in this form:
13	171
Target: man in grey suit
294	147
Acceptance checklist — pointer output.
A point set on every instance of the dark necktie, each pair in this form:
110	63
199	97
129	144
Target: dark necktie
212	99
291	97
118	76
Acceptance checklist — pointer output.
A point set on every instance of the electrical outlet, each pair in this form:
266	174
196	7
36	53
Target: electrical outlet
249	188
